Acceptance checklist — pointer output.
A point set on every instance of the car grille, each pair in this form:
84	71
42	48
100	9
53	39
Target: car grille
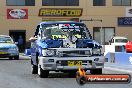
77	53
4	49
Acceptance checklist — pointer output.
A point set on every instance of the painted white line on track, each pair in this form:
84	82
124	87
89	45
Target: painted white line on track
118	69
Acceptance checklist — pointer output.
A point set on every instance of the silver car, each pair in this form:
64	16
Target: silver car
8	48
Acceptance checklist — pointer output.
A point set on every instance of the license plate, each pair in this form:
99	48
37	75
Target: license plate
74	63
3	53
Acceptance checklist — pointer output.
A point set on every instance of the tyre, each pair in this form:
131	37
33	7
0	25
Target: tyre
34	69
16	57
43	73
96	71
72	74
10	58
81	80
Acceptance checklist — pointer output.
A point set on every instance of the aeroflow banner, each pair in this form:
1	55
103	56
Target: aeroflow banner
61	12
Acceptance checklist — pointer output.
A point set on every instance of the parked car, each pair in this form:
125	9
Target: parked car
118	40
8	48
116	44
128	47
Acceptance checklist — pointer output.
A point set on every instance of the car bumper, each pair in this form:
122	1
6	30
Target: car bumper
62	63
8	54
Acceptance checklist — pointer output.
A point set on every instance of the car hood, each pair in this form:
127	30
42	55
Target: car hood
7	45
84	43
81	43
49	43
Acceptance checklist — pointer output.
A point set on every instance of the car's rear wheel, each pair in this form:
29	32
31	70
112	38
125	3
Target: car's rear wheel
42	73
16	57
96	71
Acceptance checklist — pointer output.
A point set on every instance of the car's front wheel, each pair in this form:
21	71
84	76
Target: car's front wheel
16	57
34	69
42	73
96	71
10	58
72	74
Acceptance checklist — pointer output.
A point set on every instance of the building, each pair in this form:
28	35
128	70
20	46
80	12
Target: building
103	17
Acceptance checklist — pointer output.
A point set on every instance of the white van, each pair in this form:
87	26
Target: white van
116	44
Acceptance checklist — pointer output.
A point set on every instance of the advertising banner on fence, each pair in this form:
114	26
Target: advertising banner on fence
17	13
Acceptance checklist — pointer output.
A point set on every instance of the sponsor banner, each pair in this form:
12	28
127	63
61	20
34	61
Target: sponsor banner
124	21
17	13
109	78
104	78
129	12
60	12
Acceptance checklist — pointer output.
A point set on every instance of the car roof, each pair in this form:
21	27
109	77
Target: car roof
4	36
61	22
119	37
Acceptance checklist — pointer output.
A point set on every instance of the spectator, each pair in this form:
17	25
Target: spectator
20	43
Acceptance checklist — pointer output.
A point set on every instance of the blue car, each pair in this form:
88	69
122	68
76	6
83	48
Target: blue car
64	46
8	49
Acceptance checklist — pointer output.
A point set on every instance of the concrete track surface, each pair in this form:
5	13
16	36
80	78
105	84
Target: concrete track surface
17	74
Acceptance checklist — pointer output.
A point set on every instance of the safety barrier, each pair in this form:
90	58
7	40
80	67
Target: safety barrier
120	58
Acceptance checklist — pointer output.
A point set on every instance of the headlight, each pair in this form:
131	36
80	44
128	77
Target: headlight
13	49
50	52
96	51
87	52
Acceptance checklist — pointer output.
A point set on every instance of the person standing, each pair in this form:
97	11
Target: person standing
20	43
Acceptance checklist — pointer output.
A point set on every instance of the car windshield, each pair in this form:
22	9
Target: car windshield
64	31
121	40
5	39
